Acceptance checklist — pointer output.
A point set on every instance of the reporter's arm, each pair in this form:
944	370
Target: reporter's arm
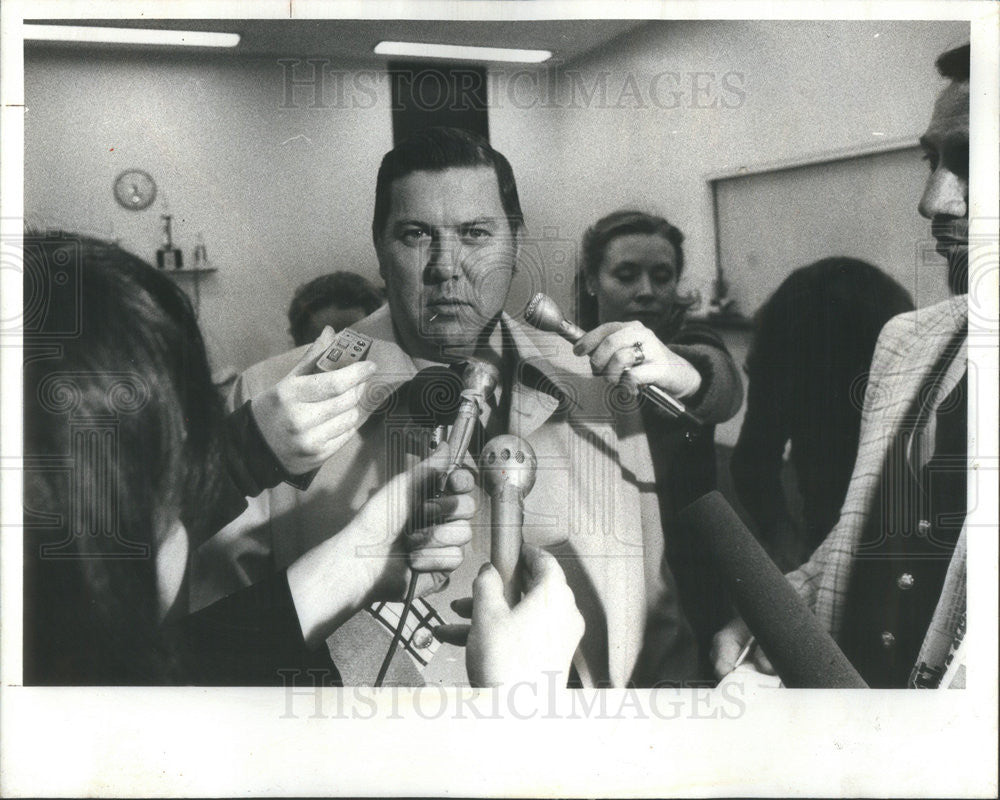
372	558
721	392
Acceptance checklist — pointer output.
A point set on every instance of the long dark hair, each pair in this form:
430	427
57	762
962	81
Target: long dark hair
117	389
595	243
820	326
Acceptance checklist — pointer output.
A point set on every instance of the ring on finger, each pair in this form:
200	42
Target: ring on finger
637	355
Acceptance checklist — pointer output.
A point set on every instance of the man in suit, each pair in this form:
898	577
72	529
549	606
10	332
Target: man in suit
447	228
889	580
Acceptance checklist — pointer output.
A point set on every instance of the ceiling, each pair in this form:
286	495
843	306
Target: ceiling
352	40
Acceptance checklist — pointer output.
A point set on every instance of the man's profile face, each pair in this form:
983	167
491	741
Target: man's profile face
945	201
447	256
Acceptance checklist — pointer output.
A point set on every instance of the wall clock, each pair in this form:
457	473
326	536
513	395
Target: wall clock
135	189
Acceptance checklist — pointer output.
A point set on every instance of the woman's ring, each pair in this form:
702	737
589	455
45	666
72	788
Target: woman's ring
637	355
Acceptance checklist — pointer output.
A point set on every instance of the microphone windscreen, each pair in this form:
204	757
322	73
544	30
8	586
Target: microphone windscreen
507	460
802	652
434	394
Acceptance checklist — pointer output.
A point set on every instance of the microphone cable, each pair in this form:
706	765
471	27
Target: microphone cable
411	590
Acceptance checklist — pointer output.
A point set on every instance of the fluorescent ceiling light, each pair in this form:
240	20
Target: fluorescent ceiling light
81	33
461	52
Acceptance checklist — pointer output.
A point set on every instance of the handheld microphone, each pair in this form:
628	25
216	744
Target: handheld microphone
803	653
543	313
433	397
507	464
480	379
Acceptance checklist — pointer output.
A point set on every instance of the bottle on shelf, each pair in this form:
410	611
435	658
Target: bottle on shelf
200	253
168	256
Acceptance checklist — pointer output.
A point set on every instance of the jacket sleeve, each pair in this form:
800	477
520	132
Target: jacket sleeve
249	467
253	638
836	549
721	392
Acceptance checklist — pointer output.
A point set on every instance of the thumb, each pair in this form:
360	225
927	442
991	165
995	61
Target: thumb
488	602
394	502
308	361
421	477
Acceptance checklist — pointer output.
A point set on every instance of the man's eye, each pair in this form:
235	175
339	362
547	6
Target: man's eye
476	234
663	277
626	276
415	235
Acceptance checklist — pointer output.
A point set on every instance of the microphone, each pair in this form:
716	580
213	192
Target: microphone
543	313
433	397
508	466
803	653
480	379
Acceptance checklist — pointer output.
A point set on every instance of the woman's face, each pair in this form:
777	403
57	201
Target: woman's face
637	280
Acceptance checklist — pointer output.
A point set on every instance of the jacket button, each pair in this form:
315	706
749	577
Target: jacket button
923	527
905	581
888	640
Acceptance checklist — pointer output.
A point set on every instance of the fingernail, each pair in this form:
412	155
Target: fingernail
577	350
485	568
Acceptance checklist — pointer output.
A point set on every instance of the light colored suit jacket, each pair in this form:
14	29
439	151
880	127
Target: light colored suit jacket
593	504
908	349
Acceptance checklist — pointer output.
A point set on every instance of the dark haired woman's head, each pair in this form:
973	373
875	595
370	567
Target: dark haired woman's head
631	263
339	300
814	337
117	387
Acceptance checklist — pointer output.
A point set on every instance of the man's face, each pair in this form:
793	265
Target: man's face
447	256
945	201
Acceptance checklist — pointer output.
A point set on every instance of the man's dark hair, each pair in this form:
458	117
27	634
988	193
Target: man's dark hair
954	64
340	289
438	149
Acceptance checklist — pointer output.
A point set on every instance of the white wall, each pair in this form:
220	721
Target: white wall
806	88
281	194
284	194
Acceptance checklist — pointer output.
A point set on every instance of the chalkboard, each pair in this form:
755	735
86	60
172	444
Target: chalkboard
770	222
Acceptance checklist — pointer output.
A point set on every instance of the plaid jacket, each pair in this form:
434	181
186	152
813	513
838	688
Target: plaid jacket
907	350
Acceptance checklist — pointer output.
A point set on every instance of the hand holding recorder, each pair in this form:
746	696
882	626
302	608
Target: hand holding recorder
308	416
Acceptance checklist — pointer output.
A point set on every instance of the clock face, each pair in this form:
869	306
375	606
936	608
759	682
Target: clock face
135	190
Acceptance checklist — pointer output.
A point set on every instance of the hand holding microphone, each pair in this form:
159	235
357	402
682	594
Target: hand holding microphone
625	352
527	642
479	380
